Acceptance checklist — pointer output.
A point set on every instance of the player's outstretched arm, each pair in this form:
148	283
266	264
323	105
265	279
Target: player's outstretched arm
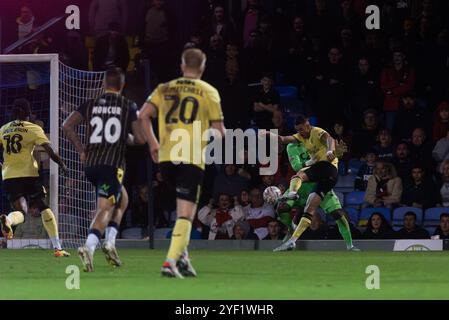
54	156
73	121
330	144
147	112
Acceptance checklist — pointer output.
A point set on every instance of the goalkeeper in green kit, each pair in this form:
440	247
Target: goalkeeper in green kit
299	157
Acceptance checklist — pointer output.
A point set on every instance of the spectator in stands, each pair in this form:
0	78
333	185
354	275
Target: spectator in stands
259	213
411	230
443	184
229	182
322	23
343	142
365	172
274	231
384	148
111	50
396	81
441	122
421	150
244	199
235	101
267	181
365	90
266	103
253	58
408	118
442	230
243	231
102	12
378	228
441	150
216	62
330	83
317	229
384	187
364	138
158	33
250	21
219	25
25	22
74	53
222	218
419	191
297	51
402	161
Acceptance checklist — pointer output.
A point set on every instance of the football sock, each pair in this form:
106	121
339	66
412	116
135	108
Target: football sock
304	223
345	231
111	233
179	239
295	184
15	218
49	222
93	239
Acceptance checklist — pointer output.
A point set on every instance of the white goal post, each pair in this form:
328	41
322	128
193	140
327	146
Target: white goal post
53	60
56	90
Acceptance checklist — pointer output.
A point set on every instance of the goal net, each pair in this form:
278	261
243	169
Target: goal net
54	91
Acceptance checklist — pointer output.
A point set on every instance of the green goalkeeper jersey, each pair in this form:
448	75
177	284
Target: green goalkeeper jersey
298	156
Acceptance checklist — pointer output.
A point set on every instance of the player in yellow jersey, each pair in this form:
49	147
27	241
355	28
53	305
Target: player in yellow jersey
322	169
18	139
182	106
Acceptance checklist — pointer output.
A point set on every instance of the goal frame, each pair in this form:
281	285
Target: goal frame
53	59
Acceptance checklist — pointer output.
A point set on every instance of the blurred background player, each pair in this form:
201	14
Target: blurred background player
182	103
21	176
110	118
299	158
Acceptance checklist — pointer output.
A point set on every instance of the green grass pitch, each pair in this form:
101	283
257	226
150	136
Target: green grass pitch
36	274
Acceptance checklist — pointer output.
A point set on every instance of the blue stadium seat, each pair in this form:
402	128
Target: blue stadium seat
354	198
399	213
132	233
367	212
432	216
313	120
287	92
353	215
354	165
341	197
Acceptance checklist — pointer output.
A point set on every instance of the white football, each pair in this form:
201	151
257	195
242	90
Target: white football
272	194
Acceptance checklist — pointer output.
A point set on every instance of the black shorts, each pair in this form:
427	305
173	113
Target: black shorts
107	180
29	187
185	179
324	174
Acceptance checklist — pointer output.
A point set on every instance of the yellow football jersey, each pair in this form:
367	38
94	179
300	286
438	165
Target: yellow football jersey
316	148
19	139
185	109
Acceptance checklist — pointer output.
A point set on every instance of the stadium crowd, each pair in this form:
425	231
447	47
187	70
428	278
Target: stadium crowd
382	94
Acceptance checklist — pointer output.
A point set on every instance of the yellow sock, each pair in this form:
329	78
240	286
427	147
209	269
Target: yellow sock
295	184
16	217
50	224
304	223
180	238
